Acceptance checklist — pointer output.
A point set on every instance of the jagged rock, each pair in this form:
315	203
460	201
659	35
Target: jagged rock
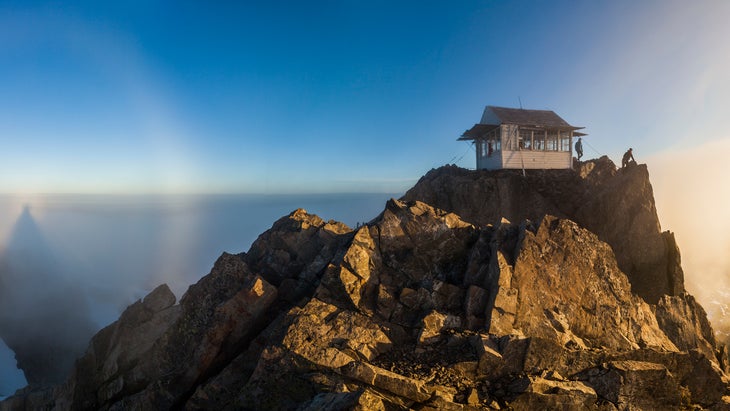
418	309
546	356
434	323
150	359
397	384
299	229
536	393
332	337
414	252
159	299
364	400
490	359
635	385
706	383
295	251
112	365
475	307
570	290
31	398
617	205
685	322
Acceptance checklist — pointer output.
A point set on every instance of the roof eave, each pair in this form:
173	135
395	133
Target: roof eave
470	134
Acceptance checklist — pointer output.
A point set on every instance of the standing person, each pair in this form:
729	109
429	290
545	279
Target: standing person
579	148
628	158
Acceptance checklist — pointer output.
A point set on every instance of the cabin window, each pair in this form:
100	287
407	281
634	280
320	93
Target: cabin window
551	141
564	141
483	148
492	142
526	139
538	140
490	146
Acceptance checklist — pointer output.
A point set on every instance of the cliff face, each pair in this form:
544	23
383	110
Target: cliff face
616	205
423	308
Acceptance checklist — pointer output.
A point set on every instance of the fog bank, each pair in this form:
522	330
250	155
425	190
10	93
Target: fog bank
693	200
104	252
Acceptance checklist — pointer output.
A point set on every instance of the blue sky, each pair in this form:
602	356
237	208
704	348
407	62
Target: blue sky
336	96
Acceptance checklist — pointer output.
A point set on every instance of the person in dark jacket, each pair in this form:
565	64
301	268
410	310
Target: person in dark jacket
628	158
579	148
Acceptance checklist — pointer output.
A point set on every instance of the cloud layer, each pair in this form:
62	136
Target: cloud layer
692	196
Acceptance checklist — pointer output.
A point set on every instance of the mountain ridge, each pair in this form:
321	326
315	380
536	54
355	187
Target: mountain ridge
447	306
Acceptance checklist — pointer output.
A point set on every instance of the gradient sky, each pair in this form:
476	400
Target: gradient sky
358	96
337	96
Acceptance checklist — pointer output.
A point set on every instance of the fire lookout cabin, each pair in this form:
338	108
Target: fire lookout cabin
522	139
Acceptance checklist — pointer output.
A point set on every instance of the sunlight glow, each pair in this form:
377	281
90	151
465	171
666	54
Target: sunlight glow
150	156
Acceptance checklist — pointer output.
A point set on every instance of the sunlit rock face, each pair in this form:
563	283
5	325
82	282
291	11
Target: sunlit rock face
617	205
44	318
420	308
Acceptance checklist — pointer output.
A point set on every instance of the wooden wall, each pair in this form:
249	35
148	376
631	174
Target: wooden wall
536	159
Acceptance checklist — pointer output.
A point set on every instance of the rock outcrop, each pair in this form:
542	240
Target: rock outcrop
617	205
418	309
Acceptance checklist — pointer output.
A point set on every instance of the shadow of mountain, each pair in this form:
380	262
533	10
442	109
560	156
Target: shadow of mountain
44	318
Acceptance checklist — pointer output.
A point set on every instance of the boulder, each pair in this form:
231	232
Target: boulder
635	385
377	377
536	393
434	323
364	400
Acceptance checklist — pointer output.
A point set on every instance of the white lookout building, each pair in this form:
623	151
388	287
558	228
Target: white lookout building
522	139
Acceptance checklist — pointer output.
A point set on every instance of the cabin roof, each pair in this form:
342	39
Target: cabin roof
477	131
530	119
539	118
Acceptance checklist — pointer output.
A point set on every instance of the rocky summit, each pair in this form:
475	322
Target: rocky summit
476	290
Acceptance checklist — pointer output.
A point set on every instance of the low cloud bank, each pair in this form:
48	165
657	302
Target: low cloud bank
44	318
693	199
70	264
